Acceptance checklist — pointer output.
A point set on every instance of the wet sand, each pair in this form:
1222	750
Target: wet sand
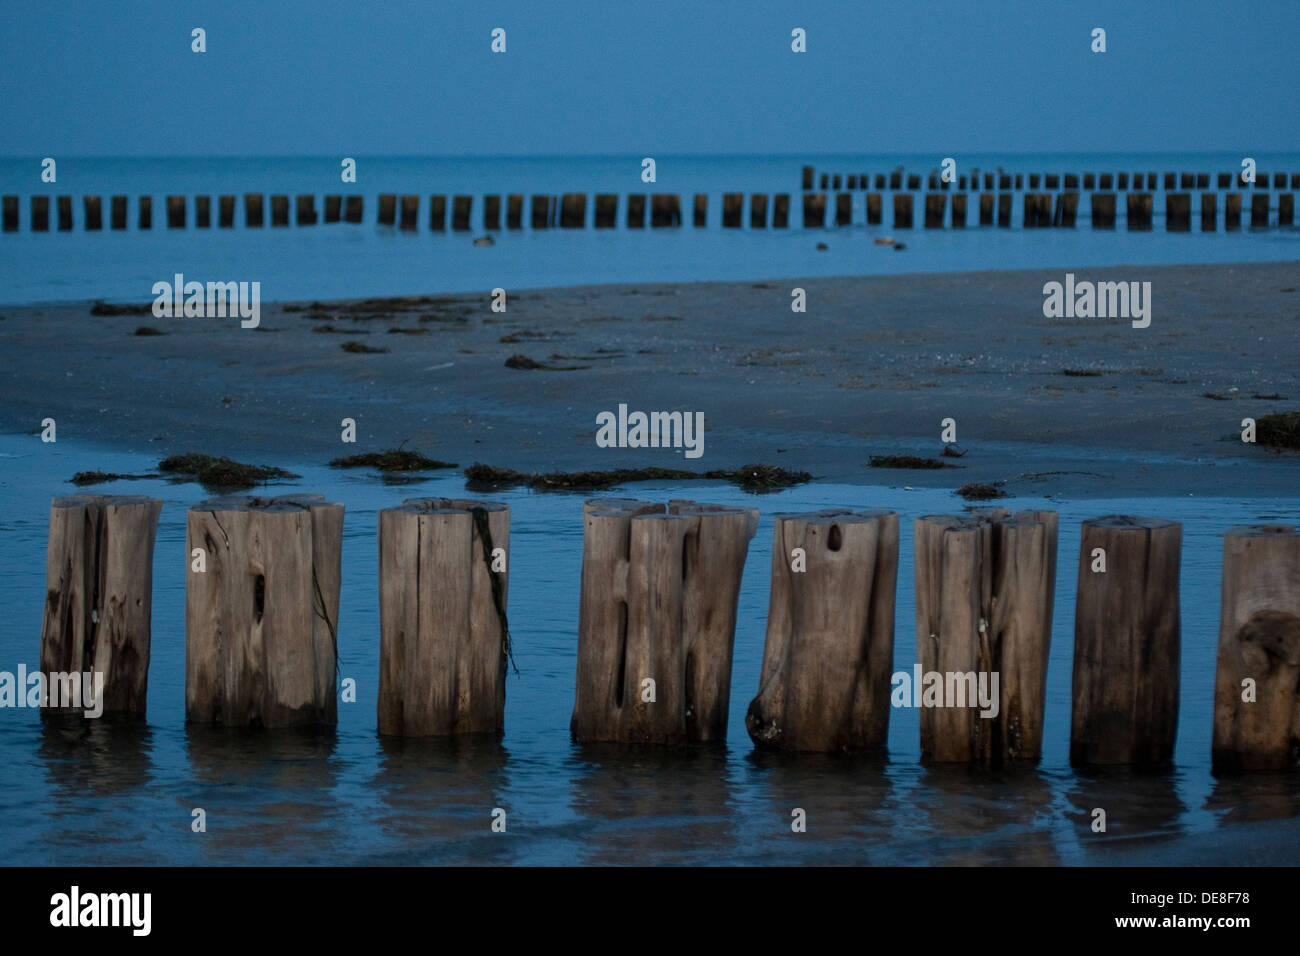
871	368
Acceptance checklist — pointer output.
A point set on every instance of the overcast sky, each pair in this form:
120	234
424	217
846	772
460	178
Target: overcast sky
665	76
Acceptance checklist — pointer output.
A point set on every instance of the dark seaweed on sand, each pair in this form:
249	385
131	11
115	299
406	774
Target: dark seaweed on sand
907	461
1280	430
393	460
103	477
220	473
755	479
980	492
361	348
106	308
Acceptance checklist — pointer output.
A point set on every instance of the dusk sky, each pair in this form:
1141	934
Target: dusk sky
672	76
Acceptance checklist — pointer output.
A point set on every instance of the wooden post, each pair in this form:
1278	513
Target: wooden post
1038	210
175	212
514	211
606	213
665	210
827	660
874	210
913	182
902	210
461	208
261	619
118	212
541	212
279	210
1140	212
1202	181
253	208
843	209
807	177
409	214
935	204
306	210
10	213
99	599
573	210
1126	642
203	212
986	209
1232	211
444	638
1004	210
40	214
1259	211
333	208
438	213
1070	181
92	212
146	213
1286	209
65	213
1178	212
814	210
492	213
733	205
387	209
636	211
781	211
1067	210
1257	687
1209	212
1052	181
959	211
1089	181
1186	180
985	586
1171	181
657	619
1103	210
758	211
701	216
1225	180
353	208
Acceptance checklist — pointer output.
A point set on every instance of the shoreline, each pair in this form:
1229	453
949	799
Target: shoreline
870	369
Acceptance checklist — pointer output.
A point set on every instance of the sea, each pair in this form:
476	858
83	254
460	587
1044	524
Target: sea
340	260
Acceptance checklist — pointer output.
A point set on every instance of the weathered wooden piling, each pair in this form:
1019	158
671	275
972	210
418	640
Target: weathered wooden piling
1178	212
986	209
814	210
305	210
10	213
781	211
279	211
438	213
65	213
1171	181
701	210
807	177
874	209
896	180
1225	180
913	182
1232	211
657	619
1004	210
1033	180
1286	209
117	214
1202	180
333	208
461	209
985	587
203	212
1103	210
353	208
1279	180
607	210
959	211
261	642
835	181
1066	211
1209	211
492	213
825	181
665	210
40	214
843	209
1140	212
902	210
514	211
253	207
636	211
1187	181
175	212
92	212
935	206
1089	181
880	181
1037	211
1259	211
1126	642
733	205
1257	685
145	220
409	213
387	209
758	211
1052	181
828	655
443	633
99	600
573	210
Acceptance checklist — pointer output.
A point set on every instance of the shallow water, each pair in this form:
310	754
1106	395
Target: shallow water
340	260
108	795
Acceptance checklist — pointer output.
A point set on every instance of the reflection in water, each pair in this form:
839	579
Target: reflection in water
1260	795
1138	803
982	817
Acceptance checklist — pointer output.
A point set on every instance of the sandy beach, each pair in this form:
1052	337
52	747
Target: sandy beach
871	368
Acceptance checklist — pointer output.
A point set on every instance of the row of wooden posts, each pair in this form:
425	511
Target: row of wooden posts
657	618
569	211
1004	182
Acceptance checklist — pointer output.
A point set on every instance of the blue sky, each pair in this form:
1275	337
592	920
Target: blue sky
662	76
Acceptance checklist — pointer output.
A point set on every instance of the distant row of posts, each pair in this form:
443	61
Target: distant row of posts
657	602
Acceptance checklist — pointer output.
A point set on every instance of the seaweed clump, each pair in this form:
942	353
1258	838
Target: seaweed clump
976	491
1280	430
907	461
752	478
220	473
396	459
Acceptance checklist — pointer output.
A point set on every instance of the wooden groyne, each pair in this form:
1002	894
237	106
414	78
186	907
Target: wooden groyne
658	596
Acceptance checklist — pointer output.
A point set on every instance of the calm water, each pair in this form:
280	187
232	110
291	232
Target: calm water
109	795
339	260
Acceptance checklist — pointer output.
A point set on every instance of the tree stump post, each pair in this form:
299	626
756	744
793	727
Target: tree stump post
444	638
99	601
1126	642
825	681
261	618
1257	724
657	620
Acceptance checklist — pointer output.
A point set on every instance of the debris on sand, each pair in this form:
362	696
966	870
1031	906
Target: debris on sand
395	459
360	348
1280	430
106	308
524	362
103	477
220	473
907	461
148	330
752	478
1081	372
980	492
